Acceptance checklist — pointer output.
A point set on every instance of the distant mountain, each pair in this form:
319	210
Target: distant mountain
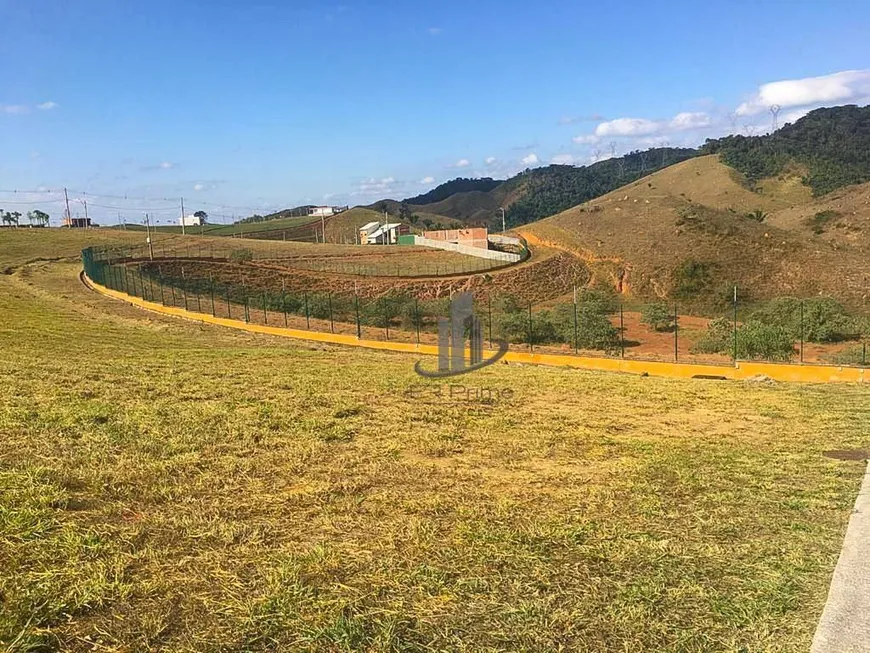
832	145
458	185
535	193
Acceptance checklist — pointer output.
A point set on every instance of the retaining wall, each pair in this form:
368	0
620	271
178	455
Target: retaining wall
479	252
739	371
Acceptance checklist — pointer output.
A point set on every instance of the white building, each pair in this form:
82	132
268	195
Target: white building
322	211
383	234
190	221
366	230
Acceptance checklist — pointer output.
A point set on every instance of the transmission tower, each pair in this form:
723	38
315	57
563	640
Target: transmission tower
733	118
774	112
613	149
664	152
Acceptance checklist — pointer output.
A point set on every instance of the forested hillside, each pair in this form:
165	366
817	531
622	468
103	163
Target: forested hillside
833	144
550	190
458	185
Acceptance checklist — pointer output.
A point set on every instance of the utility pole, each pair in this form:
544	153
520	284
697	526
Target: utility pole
502	219
87	223
322	227
148	238
68	214
182	216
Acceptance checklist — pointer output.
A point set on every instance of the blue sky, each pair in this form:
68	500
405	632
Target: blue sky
249	106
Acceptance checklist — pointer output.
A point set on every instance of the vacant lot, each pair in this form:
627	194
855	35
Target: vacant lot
165	486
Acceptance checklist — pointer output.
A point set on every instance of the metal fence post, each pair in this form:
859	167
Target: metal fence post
621	332
676	337
531	347
284	305
417	318
386	317
307	317
174	301
211	291
863	354
358	325
734	353
489	317
265	313
576	339
802	331
151	286
229	309
331	321
247	310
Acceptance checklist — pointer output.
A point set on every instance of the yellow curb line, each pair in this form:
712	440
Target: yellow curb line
741	370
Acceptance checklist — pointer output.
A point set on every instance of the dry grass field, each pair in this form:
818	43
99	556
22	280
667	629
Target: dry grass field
169	486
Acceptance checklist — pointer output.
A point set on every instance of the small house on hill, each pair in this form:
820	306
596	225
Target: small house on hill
472	237
375	233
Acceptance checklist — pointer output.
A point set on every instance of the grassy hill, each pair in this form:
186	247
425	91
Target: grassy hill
692	231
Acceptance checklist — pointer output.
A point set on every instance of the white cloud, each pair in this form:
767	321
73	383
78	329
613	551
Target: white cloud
563	159
427	180
490	160
372	186
166	165
690	120
836	88
198	187
47	106
530	159
14	109
462	163
636	127
792	116
627	127
571	120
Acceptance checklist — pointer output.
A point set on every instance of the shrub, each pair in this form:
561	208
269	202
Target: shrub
658	316
241	255
756	340
821	219
758	215
824	319
717	340
692	279
594	330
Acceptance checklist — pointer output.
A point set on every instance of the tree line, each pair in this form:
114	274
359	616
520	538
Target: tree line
35	217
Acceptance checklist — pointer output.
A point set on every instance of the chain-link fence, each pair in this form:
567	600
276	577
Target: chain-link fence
815	330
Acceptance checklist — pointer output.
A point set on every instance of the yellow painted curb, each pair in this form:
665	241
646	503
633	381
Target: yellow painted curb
741	370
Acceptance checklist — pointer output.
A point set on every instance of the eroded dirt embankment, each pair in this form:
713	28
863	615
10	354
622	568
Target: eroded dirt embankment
537	281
